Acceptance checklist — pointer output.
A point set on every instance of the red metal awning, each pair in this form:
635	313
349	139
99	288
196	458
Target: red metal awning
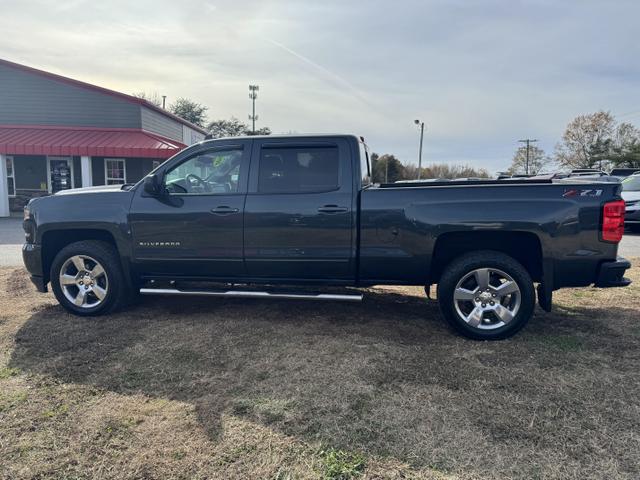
93	142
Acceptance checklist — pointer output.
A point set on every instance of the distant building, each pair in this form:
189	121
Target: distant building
58	133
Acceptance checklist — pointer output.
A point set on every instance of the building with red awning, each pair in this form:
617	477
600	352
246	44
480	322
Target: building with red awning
58	133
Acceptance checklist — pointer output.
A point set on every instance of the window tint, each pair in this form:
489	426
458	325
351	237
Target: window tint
298	170
206	173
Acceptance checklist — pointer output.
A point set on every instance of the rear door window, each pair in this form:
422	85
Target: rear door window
299	169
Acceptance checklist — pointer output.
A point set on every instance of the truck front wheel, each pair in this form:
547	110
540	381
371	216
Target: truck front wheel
87	279
486	295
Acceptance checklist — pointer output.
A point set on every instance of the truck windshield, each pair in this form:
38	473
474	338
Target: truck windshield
631	184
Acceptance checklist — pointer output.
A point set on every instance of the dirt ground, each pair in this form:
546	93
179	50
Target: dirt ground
211	388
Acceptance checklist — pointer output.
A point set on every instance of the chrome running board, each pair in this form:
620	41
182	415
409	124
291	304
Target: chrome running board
253	294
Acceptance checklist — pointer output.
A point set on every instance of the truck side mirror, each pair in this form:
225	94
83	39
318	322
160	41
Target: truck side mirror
153	185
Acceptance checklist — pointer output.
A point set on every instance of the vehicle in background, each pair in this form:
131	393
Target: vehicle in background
588	175
592	172
424	180
631	197
623	172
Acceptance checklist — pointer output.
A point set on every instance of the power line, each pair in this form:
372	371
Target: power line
527	141
629	114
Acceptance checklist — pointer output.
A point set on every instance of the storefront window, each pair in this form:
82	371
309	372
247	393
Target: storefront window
11	177
115	171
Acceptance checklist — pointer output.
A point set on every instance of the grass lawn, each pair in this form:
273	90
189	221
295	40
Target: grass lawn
213	388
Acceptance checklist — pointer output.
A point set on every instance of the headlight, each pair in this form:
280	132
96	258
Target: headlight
29	226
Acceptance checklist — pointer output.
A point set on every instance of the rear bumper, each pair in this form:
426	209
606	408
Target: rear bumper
611	274
32	258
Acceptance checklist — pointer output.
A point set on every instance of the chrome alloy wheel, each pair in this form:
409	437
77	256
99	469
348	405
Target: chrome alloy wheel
487	298
84	281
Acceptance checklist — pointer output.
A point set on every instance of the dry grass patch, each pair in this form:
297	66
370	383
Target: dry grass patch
200	388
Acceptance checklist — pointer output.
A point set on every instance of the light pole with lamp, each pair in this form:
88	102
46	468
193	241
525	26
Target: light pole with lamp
418	122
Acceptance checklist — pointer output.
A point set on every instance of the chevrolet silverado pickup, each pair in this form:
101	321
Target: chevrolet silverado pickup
259	215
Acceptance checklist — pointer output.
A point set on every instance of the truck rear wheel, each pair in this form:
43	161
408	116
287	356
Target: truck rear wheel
87	279
486	295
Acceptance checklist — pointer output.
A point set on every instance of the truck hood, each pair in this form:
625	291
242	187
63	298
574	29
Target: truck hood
98	189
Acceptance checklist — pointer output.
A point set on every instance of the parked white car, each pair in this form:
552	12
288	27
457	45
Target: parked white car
631	196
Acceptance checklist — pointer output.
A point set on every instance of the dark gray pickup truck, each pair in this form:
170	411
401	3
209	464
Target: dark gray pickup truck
281	216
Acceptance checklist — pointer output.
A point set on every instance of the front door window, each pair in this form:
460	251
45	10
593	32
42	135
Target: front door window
60	174
209	172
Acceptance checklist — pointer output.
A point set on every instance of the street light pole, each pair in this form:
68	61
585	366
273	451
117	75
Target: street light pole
418	122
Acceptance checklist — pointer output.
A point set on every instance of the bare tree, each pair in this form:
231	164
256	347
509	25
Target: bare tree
153	97
446	170
538	161
585	139
626	136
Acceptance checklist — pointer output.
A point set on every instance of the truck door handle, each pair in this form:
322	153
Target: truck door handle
224	210
332	209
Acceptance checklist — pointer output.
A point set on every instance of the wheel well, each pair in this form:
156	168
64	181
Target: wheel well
55	240
523	246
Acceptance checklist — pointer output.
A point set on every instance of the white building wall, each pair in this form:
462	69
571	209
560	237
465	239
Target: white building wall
191	136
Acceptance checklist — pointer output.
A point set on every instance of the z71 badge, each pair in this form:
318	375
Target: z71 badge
576	192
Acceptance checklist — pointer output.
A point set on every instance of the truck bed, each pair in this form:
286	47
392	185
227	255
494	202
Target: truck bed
403	227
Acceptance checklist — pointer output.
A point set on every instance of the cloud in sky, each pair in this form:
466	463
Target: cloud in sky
481	74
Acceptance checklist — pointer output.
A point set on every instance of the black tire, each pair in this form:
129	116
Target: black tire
459	269
106	256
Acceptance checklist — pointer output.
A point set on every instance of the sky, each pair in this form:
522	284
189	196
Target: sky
481	74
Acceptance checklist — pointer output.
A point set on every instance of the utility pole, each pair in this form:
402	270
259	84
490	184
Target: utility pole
253	94
418	122
528	141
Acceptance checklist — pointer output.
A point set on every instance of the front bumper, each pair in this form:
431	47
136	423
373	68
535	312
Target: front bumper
611	274
32	258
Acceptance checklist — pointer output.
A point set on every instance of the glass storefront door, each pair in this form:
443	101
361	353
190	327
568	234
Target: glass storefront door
60	173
